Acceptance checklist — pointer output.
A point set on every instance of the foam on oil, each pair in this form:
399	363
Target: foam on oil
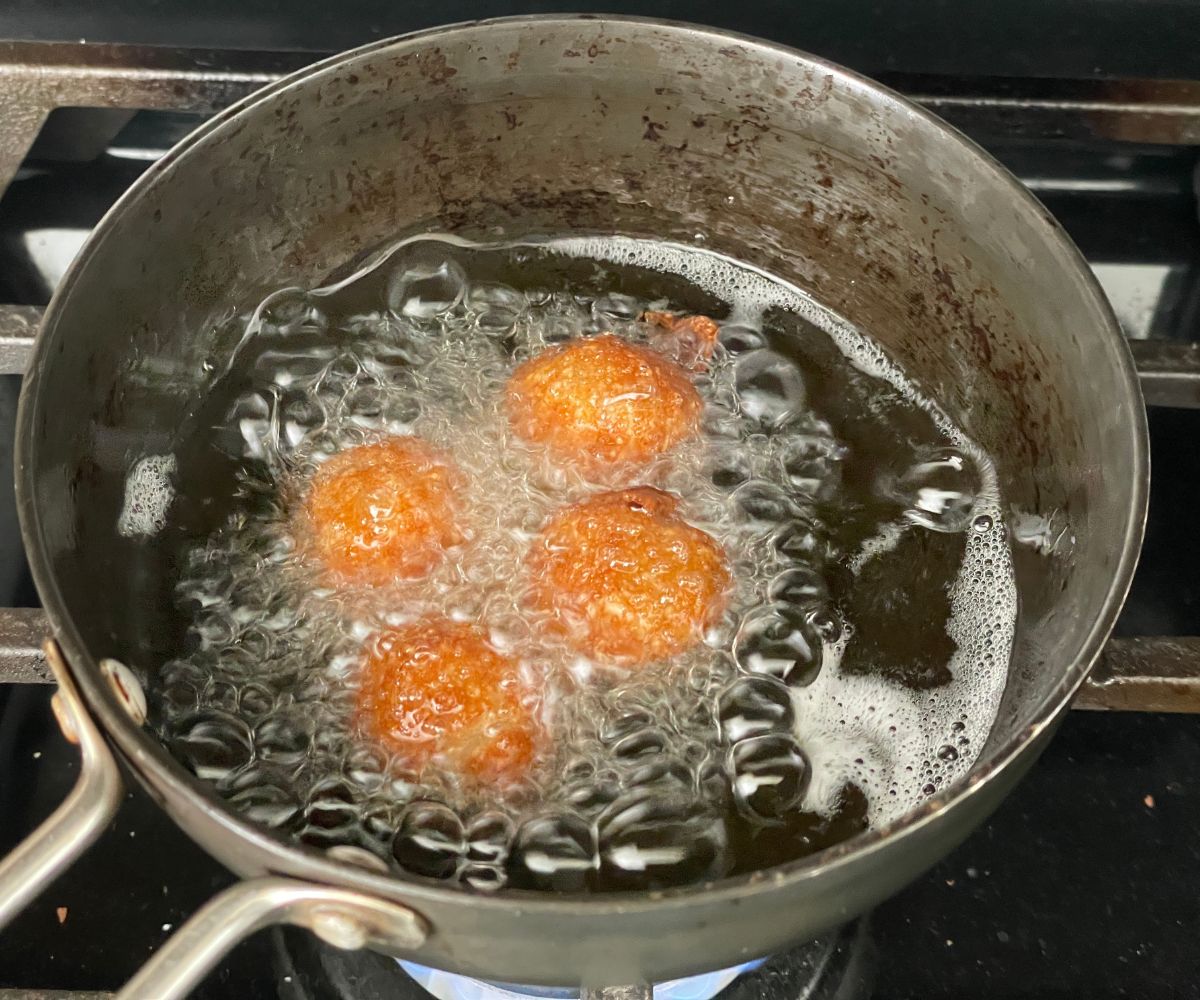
148	496
895	744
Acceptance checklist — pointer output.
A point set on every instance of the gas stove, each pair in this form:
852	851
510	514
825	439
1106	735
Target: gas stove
1085	883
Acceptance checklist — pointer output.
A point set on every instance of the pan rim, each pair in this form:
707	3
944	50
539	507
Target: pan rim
158	770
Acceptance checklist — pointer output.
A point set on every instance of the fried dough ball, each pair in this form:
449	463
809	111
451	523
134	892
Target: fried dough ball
625	577
601	402
436	688
381	512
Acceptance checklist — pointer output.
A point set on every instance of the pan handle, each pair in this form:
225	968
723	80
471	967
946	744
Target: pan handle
74	825
340	917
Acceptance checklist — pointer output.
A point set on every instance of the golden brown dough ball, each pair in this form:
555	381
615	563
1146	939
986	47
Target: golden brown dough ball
436	688
624	576
381	512
601	402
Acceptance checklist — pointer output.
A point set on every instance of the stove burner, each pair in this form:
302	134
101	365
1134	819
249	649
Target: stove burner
446	986
839	966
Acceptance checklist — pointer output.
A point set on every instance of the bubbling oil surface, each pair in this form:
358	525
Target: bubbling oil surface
857	670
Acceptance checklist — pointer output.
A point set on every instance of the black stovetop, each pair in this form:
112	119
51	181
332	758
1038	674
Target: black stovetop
1086	883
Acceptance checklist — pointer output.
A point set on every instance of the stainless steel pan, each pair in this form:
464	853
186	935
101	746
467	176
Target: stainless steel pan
593	125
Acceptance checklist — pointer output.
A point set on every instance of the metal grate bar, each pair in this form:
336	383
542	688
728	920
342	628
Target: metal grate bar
1157	674
23	994
18	327
21	660
1157	112
1169	371
37	77
1151	674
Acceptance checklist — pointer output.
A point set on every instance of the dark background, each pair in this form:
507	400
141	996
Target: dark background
1054	38
1086	883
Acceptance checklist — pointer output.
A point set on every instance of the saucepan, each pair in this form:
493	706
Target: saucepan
565	125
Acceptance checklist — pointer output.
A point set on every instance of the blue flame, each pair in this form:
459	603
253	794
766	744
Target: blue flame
446	986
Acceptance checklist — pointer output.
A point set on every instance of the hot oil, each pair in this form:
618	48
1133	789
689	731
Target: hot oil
857	670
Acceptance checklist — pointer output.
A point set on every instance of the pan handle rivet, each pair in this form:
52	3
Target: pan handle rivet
340	930
126	687
63	718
